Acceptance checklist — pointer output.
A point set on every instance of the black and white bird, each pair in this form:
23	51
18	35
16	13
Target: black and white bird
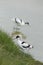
19	22
23	44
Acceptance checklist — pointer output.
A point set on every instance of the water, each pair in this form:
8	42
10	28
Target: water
34	34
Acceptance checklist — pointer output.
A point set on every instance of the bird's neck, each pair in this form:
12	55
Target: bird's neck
22	23
19	41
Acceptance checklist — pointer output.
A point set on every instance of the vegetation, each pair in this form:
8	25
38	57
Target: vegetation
11	55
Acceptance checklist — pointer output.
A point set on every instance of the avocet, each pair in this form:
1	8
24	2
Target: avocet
23	44
19	21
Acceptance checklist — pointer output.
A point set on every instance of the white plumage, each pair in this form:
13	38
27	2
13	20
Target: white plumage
23	44
19	21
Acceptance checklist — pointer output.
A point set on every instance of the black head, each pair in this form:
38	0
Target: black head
17	37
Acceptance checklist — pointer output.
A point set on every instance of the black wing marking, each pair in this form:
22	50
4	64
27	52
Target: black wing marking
26	46
23	42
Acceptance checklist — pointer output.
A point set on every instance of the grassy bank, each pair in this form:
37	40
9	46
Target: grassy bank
10	54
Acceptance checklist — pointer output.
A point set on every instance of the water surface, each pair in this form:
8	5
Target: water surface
33	13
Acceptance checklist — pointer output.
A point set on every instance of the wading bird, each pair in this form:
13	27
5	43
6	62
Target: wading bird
23	44
19	22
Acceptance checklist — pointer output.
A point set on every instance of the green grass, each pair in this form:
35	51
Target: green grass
11	55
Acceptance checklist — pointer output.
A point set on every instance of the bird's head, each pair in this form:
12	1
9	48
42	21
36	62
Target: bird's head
17	37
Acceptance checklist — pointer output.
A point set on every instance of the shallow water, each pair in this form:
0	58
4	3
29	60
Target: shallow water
34	33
